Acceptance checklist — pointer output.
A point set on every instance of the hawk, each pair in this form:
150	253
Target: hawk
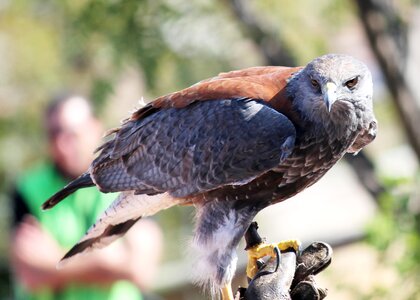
230	145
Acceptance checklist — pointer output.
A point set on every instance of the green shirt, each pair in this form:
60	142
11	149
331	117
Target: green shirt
67	223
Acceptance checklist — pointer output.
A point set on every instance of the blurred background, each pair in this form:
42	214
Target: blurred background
116	52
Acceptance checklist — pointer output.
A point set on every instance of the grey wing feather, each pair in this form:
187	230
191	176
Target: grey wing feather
203	146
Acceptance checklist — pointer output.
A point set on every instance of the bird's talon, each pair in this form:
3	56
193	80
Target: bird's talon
278	258
261	250
256	252
290	244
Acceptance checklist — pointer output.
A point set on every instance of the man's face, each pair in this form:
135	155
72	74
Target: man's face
78	134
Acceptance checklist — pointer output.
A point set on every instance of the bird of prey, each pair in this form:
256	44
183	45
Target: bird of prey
230	145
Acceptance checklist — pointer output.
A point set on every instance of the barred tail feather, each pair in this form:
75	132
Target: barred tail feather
110	234
119	217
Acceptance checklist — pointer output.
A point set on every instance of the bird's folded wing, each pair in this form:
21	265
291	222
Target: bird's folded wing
203	146
264	83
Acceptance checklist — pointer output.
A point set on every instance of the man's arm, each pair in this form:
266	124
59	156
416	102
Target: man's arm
35	255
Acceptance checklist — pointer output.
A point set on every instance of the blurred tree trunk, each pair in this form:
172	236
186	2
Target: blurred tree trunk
277	53
387	35
272	49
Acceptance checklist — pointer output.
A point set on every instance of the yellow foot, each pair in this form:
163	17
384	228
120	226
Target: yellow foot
227	293
262	250
287	244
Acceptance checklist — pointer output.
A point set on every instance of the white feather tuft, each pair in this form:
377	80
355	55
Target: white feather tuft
213	252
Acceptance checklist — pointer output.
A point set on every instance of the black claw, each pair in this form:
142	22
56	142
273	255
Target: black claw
278	258
252	238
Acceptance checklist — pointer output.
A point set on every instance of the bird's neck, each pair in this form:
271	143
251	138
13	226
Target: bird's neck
339	127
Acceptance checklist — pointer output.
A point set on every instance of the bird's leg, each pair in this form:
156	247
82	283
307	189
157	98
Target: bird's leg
257	249
227	293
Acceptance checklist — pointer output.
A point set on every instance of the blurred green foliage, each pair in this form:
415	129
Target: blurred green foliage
87	45
395	232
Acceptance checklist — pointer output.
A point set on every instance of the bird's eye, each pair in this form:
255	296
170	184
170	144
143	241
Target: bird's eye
315	84
352	82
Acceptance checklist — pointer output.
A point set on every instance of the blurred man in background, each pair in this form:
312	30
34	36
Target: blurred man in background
40	238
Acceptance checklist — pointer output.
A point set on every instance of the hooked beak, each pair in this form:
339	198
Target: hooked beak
330	94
